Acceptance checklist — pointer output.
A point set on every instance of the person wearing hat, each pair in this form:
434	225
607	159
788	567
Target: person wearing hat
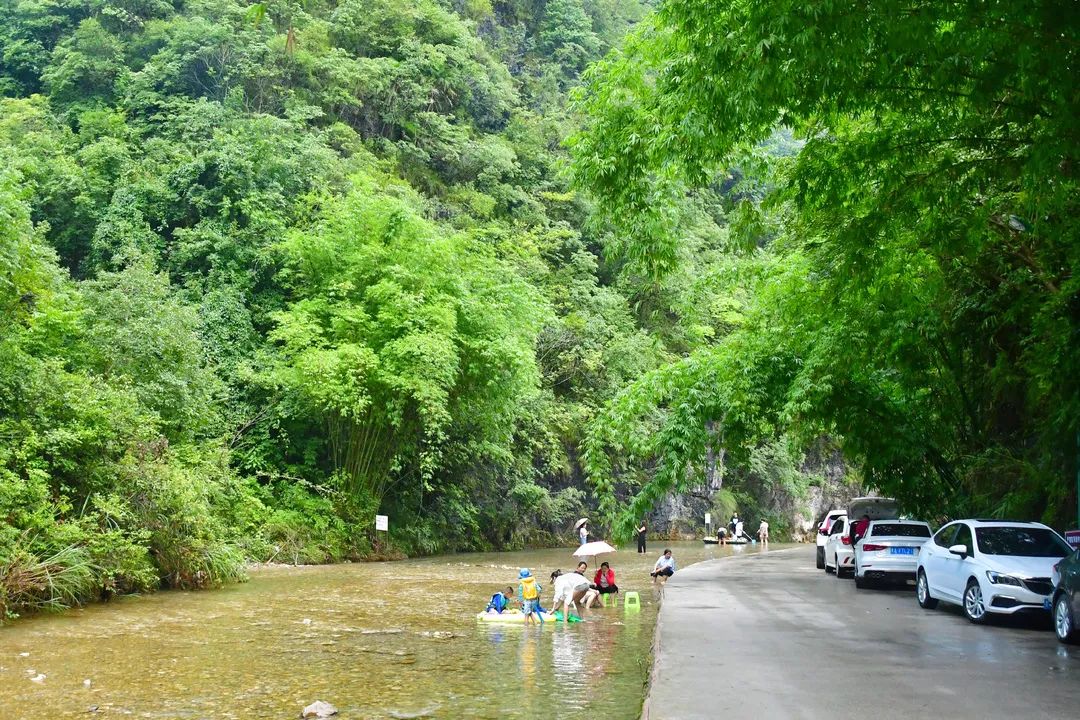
529	594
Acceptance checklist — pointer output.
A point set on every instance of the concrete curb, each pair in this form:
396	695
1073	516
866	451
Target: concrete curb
658	633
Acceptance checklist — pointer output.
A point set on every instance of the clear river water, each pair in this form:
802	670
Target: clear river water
376	640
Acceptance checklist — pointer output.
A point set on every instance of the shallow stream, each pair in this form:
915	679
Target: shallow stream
377	640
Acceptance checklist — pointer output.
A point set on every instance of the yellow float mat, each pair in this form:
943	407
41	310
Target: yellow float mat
510	616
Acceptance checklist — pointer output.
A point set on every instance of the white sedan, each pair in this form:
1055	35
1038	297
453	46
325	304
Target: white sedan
889	550
989	566
839	557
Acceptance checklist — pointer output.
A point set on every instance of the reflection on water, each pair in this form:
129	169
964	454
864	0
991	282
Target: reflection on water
378	640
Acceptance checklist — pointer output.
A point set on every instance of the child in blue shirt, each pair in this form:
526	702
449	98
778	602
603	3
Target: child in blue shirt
500	601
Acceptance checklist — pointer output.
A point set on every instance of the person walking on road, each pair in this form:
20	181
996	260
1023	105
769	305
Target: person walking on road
665	566
642	531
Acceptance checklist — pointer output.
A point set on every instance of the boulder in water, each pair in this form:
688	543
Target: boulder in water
319	709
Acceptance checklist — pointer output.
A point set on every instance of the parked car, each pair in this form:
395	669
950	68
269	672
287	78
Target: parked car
889	550
1065	600
838	555
823	534
989	567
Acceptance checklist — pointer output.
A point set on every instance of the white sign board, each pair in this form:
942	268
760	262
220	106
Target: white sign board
382	522
708	518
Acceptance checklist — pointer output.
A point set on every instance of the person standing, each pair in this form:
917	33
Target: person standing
642	532
583	533
859	528
665	566
529	595
763	531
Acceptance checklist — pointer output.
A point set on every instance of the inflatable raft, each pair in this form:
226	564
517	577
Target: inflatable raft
714	541
509	616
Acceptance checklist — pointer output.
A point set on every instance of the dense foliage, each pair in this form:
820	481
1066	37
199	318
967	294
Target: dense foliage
268	268
912	266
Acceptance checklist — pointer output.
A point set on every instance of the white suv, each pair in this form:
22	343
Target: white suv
989	566
823	534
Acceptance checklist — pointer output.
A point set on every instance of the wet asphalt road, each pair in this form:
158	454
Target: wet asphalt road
766	635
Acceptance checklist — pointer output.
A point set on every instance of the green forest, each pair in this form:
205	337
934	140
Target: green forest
268	269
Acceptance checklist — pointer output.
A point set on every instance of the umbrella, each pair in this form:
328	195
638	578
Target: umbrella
580	522
598	547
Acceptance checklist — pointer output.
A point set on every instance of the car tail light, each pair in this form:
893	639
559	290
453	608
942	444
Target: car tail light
845	540
871	547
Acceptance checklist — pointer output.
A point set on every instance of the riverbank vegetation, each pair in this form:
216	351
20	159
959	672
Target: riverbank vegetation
908	272
267	269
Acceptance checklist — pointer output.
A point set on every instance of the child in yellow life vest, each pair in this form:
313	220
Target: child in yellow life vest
529	594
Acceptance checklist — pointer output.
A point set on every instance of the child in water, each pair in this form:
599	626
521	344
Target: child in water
529	594
500	601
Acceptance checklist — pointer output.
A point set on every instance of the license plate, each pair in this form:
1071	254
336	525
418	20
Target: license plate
901	551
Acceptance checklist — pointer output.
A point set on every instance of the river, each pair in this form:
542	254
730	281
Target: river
377	640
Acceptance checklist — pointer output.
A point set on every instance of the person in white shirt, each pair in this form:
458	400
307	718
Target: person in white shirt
763	532
665	566
570	588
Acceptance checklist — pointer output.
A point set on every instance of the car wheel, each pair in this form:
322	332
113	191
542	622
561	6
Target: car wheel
922	592
836	562
860	583
974	604
1063	621
829	569
821	558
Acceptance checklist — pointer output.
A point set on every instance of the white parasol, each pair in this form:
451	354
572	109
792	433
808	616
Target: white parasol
580	522
598	547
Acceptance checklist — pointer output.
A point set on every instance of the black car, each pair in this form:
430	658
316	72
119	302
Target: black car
1065	599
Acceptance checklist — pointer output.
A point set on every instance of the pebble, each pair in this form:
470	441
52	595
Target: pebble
39	678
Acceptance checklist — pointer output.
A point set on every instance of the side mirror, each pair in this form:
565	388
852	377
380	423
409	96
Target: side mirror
823	531
960	550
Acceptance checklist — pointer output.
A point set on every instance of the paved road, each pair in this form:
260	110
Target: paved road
766	636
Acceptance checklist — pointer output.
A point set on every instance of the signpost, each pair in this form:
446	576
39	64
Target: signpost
382	524
1073	538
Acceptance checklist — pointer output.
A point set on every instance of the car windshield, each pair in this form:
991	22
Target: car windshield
1024	542
900	529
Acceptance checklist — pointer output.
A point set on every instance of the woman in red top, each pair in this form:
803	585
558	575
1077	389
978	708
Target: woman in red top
604	581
